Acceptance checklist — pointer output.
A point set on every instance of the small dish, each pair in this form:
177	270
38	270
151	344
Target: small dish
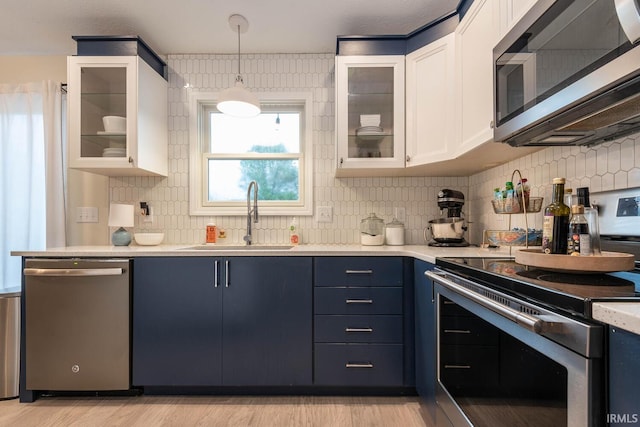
148	239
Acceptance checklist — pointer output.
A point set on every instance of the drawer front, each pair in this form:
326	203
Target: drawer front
450	308
469	367
467	331
375	300
358	271
359	329
358	365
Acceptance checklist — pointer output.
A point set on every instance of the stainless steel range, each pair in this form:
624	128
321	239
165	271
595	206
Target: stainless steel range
517	345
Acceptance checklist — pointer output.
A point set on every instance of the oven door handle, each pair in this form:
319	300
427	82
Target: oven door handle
530	322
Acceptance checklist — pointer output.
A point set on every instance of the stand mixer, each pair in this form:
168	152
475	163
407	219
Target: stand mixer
449	231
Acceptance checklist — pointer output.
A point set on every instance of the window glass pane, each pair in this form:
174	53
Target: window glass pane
267	133
278	179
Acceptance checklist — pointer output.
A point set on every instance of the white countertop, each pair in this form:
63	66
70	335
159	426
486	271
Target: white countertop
625	315
423	252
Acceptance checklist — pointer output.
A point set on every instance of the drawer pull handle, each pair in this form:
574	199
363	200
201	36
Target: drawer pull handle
359	365
358	330
359	301
457	366
359	271
456	331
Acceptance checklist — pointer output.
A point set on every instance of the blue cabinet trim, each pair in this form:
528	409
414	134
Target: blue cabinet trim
402	44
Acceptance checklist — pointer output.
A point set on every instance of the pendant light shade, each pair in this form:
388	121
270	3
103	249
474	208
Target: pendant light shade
237	101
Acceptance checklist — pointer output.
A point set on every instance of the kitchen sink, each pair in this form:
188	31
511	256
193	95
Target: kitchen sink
239	248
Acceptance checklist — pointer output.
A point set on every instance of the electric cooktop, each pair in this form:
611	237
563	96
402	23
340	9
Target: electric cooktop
568	292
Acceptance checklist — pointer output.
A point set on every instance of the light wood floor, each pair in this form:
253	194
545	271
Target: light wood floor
215	411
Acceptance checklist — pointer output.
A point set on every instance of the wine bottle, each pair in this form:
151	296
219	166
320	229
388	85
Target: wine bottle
555	226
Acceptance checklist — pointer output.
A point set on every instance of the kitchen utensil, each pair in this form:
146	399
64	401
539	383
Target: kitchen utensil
114	124
447	230
372	231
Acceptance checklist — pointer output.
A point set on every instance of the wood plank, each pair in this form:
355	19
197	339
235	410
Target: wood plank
214	411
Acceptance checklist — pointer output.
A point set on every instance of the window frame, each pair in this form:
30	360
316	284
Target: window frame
200	104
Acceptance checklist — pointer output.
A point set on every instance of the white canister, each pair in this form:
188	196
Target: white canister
394	233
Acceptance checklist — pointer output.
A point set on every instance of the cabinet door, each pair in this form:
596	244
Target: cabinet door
476	35
370	111
177	322
430	102
511	11
425	338
267	321
624	371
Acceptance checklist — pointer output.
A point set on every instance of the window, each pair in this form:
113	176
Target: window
273	149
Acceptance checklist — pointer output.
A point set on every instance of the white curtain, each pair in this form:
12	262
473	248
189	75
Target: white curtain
32	173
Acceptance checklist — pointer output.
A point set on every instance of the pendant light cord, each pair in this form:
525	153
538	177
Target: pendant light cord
239	77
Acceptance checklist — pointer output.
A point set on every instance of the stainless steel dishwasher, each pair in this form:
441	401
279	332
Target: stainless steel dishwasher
77	324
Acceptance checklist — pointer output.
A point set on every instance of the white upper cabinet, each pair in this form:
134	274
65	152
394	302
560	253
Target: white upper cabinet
370	112
430	102
476	35
511	11
122	87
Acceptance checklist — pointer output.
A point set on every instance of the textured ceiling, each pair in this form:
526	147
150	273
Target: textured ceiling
45	27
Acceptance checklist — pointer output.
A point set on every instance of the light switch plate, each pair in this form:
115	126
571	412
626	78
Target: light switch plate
86	214
324	214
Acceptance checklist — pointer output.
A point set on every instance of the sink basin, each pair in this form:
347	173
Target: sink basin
239	248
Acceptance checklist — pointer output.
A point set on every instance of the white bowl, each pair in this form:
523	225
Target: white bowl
115	124
148	239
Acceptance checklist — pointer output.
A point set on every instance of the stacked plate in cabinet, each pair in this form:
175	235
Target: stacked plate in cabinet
114	152
369	133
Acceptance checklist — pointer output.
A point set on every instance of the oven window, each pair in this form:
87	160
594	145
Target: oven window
495	378
570	40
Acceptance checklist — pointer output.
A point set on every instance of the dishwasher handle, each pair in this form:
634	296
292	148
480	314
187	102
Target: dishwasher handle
530	322
73	272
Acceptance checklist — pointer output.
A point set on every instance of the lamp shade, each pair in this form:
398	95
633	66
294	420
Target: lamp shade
237	101
120	215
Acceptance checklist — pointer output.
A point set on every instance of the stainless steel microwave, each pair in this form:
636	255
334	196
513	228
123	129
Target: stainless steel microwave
568	73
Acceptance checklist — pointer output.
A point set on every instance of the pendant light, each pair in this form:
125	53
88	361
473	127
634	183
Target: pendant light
237	101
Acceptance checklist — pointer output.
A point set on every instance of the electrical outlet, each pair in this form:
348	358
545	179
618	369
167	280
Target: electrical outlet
148	218
399	213
324	214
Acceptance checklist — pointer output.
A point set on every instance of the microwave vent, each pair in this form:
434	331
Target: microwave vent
618	113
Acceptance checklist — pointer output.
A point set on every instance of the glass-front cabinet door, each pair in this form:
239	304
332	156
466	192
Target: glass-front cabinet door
117	106
370	112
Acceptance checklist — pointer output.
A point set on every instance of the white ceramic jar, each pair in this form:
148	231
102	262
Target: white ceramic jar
394	233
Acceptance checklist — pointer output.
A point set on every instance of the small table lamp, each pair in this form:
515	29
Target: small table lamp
120	216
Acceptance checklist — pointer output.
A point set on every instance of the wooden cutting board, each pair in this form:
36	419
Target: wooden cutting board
605	263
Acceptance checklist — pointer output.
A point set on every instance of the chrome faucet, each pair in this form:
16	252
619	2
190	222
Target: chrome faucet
250	211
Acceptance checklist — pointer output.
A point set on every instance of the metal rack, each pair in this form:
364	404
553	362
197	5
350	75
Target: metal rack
524	207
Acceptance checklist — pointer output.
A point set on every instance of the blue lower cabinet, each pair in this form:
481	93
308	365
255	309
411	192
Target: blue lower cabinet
363	323
425	339
177	323
624	374
358	300
358	329
204	321
356	365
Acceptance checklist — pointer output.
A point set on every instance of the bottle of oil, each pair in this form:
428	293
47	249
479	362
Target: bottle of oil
579	240
555	226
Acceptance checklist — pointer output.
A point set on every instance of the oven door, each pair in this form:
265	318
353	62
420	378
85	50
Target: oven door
495	369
